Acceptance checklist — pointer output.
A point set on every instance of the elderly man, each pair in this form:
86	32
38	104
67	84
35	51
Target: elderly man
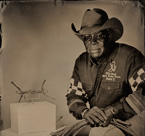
109	76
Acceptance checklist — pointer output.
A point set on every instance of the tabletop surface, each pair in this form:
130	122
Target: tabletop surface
11	132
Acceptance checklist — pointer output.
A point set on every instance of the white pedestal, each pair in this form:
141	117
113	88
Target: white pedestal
33	117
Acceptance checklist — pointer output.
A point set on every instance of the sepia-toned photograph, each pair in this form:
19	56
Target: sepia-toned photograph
72	68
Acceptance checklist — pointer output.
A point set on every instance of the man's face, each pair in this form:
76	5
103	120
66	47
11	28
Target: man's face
95	44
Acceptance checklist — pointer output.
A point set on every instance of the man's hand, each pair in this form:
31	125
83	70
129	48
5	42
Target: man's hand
95	116
110	111
102	117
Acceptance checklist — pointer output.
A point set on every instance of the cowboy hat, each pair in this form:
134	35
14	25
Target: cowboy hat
97	20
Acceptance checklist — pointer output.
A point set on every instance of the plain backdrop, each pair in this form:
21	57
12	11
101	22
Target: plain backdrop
38	45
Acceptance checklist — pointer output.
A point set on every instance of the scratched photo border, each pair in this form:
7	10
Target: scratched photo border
55	3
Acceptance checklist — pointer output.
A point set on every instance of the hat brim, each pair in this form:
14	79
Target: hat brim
113	24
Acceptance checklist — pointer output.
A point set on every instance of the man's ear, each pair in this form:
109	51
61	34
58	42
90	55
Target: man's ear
109	35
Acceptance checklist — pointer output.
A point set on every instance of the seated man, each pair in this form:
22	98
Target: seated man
109	76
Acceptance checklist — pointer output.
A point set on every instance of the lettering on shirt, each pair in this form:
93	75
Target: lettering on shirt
111	75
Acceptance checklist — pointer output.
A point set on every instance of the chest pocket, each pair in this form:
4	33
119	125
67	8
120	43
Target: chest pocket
109	93
88	89
110	86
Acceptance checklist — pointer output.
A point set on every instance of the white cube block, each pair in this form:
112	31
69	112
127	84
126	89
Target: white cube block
33	117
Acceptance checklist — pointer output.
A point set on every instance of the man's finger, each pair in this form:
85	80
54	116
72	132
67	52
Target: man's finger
100	111
90	120
95	119
99	116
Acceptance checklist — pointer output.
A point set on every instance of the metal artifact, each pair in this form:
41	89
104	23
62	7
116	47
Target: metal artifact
31	92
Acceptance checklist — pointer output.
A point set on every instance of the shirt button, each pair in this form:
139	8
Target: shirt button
109	88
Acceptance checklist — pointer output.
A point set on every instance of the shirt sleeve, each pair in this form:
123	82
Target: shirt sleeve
136	79
76	96
134	103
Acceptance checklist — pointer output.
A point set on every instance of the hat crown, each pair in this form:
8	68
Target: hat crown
94	17
97	20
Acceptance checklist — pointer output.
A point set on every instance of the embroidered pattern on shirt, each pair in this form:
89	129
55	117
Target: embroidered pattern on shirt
111	74
112	67
76	88
137	79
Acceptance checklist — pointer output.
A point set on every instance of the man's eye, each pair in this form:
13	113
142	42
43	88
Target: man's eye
100	36
87	37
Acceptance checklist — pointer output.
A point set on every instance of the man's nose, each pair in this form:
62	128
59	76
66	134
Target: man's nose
94	41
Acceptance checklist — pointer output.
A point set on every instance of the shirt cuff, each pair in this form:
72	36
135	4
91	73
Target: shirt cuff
84	112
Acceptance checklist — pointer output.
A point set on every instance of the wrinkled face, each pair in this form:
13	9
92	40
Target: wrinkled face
96	43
